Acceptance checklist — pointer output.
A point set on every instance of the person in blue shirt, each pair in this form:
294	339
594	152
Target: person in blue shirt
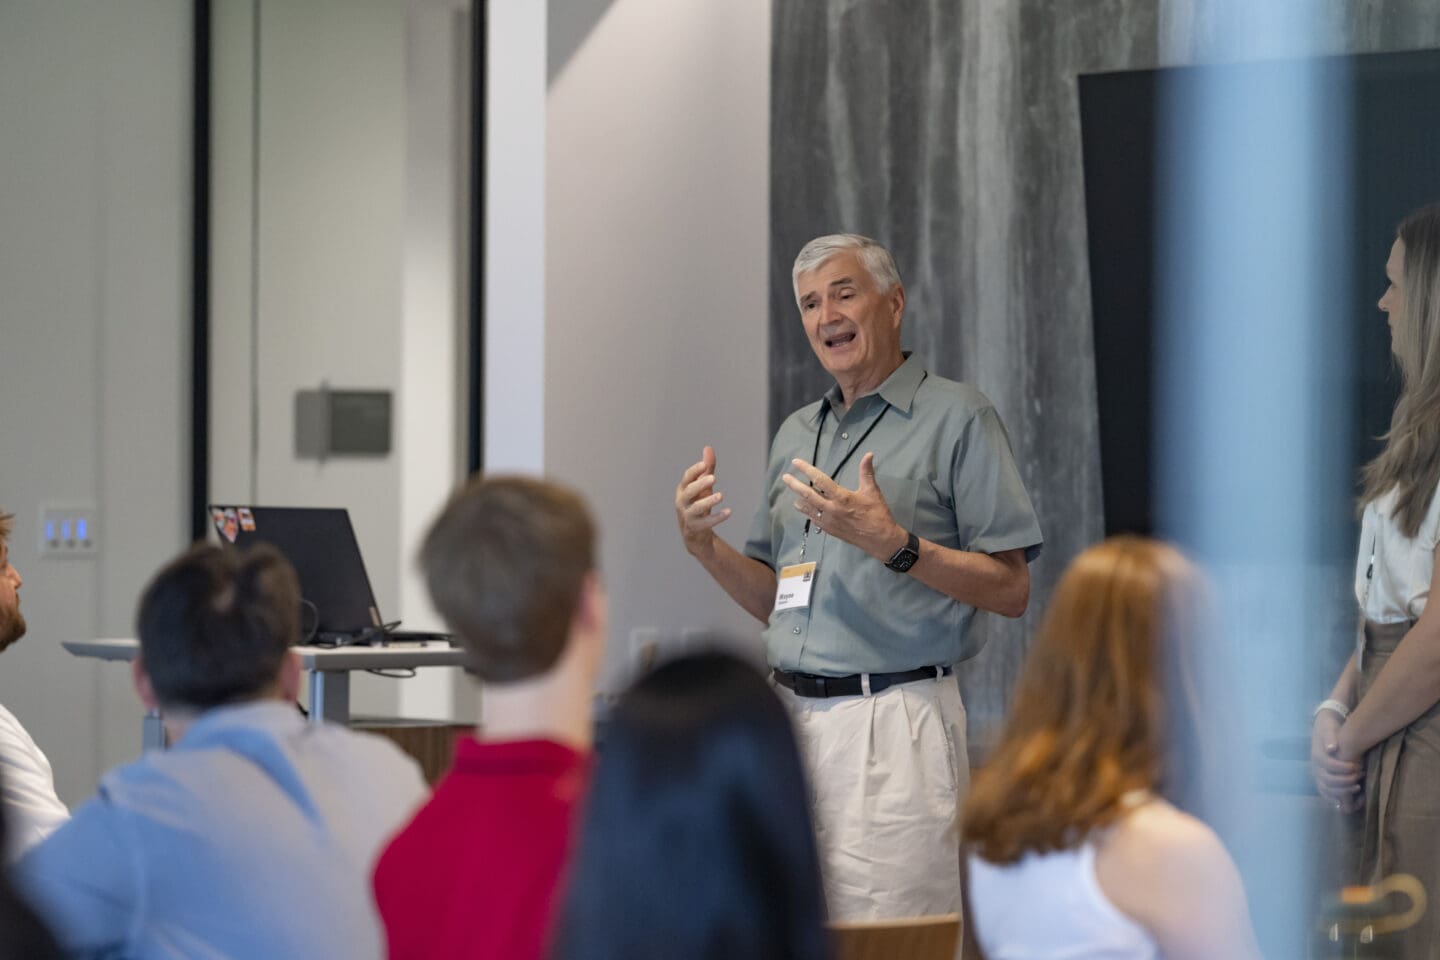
252	836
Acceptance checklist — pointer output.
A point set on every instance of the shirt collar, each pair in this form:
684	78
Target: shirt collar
898	390
275	716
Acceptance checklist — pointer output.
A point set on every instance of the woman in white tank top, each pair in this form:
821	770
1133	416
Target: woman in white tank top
1072	852
1375	746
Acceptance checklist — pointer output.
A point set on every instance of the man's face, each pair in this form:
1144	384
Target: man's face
853	328
12	622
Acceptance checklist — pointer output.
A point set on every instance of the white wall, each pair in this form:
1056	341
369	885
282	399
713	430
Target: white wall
94	341
656	234
434	343
514	391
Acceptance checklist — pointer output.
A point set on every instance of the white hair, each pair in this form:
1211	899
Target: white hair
875	258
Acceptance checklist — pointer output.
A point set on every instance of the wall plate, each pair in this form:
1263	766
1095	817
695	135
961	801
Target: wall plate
69	529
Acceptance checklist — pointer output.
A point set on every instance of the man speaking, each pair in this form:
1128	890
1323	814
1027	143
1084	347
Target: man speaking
893	512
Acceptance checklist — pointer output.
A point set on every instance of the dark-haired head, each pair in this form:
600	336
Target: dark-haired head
697	840
216	626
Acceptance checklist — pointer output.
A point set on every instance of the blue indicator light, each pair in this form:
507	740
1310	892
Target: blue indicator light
80	529
64	529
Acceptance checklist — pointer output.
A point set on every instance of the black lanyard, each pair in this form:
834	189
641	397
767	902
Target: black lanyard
815	457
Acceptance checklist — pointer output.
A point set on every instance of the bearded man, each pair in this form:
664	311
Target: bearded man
27	785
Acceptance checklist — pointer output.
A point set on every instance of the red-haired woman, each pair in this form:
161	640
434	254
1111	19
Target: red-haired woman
1073	849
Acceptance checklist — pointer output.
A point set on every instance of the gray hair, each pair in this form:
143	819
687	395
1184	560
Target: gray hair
875	258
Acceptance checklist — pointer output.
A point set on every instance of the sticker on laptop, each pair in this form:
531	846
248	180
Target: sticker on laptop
217	517
231	527
247	520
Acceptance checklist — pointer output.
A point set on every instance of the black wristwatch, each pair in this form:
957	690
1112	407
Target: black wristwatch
906	556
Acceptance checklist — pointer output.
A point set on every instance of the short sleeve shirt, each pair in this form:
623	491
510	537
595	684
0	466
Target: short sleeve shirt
1399	586
944	464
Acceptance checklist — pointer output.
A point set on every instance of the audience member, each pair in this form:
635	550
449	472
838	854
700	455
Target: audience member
1075	850
510	564
697	841
1375	742
28	788
254	835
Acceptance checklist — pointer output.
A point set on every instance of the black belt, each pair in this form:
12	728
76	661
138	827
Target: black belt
813	685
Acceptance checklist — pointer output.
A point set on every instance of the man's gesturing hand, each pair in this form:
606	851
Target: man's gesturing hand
695	500
860	517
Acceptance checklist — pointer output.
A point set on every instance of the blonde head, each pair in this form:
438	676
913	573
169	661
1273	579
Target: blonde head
1410	462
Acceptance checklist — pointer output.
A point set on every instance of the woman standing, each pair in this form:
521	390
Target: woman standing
1074	849
1375	747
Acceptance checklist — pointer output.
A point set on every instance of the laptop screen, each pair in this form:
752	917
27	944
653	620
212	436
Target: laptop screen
320	544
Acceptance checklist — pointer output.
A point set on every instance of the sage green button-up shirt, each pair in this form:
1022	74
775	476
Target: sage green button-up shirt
943	462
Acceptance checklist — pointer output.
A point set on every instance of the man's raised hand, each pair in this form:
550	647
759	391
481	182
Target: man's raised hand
695	502
860	516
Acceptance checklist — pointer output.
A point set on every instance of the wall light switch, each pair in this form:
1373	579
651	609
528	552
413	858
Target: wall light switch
69	529
644	650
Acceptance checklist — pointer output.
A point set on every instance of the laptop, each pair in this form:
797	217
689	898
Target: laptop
320	544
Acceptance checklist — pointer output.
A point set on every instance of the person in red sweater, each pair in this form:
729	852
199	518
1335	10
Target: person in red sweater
510	564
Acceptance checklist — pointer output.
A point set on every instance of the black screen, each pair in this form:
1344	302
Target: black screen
320	544
1392	151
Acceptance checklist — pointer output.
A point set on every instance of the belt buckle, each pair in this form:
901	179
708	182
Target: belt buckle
809	686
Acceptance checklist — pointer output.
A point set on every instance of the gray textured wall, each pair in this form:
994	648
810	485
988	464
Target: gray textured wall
950	130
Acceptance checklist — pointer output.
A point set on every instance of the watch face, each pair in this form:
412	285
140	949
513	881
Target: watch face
903	560
906	556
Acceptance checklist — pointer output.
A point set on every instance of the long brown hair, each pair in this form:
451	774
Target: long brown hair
1106	687
1410	462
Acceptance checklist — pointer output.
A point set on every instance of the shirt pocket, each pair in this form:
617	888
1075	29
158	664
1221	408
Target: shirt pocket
901	493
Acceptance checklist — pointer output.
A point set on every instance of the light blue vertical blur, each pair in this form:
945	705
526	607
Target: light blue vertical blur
1250	430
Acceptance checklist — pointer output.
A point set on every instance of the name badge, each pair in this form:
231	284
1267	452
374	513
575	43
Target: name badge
793	590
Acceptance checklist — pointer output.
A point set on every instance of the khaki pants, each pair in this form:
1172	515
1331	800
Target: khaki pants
1399	829
887	773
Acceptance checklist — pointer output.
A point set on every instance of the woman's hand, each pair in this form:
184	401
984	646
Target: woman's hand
1337	780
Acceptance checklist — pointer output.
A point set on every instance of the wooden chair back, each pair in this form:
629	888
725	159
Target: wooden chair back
912	938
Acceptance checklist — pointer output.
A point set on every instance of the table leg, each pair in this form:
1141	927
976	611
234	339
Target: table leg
330	696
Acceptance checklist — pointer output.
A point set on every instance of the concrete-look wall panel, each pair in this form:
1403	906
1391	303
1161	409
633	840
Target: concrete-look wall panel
951	132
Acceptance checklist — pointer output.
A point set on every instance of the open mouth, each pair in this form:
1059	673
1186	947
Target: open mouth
840	340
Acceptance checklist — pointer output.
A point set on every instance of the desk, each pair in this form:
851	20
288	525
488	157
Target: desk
329	669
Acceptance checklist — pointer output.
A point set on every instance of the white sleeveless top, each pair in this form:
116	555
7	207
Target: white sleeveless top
1399	585
1050	907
